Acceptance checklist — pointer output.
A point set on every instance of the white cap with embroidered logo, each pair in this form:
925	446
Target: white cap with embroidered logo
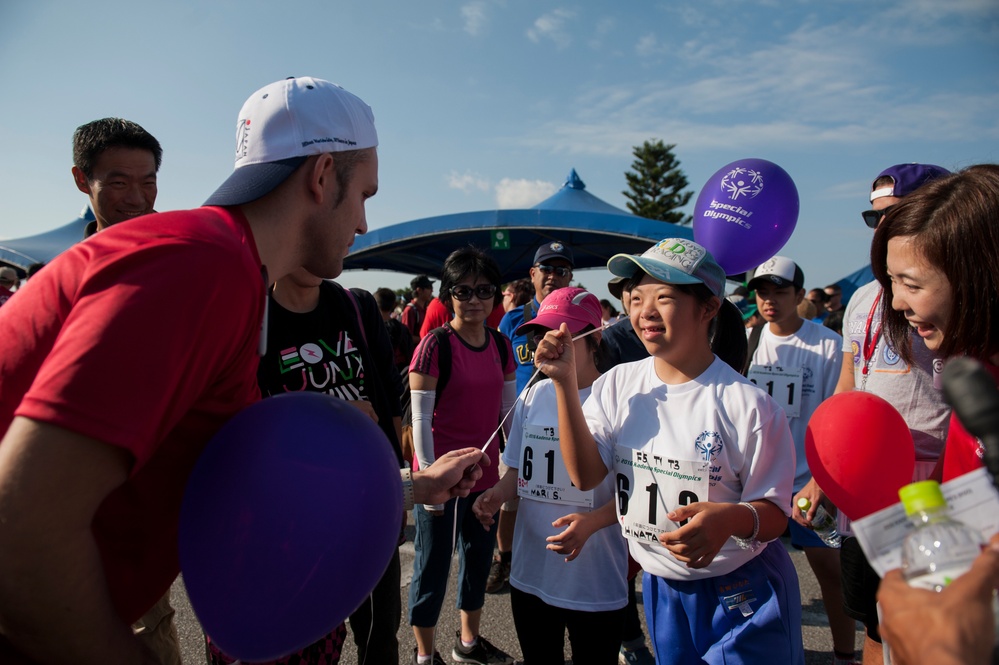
283	123
673	261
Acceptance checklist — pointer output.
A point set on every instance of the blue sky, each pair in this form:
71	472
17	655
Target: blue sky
489	103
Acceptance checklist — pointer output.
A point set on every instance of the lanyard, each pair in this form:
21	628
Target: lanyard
870	343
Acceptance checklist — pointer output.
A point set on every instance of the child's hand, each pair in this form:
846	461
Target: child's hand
486	506
554	355
699	540
570	542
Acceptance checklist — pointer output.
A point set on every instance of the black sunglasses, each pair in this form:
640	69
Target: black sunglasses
873	217
482	292
558	270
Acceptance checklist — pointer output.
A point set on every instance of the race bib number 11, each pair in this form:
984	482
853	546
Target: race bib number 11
543	476
649	486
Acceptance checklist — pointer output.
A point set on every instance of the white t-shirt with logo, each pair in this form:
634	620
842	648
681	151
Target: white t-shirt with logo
813	353
596	580
719	420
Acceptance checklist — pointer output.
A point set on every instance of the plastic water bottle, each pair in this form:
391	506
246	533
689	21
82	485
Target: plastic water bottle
940	548
823	523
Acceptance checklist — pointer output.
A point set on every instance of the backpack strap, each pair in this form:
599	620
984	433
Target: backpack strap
754	342
443	358
500	340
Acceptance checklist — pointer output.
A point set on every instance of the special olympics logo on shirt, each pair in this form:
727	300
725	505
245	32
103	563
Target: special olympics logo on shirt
708	444
742	182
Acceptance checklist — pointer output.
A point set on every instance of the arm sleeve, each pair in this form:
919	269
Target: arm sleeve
423	438
509	400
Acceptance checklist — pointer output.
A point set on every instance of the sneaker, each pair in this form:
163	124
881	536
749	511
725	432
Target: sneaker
483	653
639	656
499	576
438	659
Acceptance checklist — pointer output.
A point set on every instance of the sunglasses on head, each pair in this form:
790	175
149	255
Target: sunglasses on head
561	271
482	292
873	217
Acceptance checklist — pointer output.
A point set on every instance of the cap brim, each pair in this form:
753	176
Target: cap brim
553	322
250	182
626	265
779	282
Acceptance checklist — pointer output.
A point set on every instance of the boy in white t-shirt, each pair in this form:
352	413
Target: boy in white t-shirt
798	363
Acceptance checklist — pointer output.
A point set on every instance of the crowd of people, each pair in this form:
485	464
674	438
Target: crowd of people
565	449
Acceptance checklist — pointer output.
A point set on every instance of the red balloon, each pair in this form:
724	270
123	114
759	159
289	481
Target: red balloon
860	452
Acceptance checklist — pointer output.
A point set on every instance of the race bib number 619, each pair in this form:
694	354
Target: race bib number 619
649	486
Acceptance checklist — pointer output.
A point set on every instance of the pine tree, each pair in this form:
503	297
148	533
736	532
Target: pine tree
656	184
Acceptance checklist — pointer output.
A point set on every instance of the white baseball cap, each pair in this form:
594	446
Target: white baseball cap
779	270
283	123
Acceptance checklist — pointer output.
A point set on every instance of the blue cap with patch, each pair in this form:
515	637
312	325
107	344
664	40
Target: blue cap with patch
673	261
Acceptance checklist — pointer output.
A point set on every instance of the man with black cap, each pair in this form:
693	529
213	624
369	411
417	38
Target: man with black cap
551	270
113	380
416	309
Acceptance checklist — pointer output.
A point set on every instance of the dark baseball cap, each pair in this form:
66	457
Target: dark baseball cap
421	282
553	250
906	178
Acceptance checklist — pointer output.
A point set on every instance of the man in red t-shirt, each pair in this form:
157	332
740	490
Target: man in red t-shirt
112	379
415	310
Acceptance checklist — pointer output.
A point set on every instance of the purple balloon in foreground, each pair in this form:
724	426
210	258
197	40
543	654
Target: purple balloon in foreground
745	213
289	519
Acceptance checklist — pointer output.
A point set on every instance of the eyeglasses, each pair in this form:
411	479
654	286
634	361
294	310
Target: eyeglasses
558	270
482	292
873	217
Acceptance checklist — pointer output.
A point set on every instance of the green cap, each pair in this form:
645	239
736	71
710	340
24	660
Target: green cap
924	495
804	504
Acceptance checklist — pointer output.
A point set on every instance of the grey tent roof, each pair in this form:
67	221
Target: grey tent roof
43	247
594	230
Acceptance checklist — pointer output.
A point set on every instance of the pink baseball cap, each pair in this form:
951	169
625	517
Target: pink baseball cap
573	306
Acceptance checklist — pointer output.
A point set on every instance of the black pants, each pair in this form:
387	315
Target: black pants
377	641
594	637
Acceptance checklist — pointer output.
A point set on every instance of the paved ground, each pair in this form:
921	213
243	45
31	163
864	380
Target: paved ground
497	622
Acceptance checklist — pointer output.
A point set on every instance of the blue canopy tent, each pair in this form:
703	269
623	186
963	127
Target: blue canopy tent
43	247
592	228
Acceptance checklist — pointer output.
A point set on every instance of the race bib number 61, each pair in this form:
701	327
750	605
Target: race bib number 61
649	486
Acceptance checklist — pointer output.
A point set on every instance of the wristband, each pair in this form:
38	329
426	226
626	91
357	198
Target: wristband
751	543
407	490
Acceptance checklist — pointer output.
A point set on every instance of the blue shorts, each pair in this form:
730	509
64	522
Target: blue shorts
802	536
702	621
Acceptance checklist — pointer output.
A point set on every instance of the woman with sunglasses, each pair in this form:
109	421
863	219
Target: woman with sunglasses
703	464
465	412
549	595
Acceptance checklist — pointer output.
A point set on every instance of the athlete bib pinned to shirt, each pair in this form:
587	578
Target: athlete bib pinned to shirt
649	486
542	475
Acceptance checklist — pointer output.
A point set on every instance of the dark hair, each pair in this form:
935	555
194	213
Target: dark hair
464	263
34	268
727	332
953	222
835	287
93	138
523	291
607	303
386	299
821	293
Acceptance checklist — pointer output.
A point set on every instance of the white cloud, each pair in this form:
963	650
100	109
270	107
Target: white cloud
467	182
474	16
521	193
647	45
552	26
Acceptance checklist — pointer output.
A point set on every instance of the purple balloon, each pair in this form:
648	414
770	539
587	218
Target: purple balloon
745	213
289	519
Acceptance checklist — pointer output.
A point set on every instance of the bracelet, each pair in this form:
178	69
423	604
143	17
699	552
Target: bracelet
751	543
407	490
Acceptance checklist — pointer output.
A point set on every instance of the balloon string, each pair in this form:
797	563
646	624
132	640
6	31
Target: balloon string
536	372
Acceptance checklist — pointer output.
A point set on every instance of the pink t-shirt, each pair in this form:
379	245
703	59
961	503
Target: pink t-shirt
110	343
468	411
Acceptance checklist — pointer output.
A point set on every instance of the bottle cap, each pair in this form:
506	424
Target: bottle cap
924	495
804	504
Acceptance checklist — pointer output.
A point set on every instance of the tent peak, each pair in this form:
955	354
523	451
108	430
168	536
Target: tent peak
573	181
